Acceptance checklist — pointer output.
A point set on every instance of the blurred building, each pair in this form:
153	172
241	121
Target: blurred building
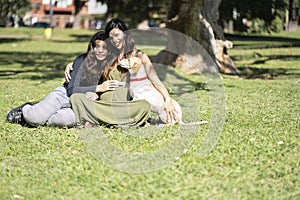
64	12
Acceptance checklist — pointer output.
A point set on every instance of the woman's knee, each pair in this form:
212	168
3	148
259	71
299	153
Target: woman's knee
63	118
145	105
76	97
34	116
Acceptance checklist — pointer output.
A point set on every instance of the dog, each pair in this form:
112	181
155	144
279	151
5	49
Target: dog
141	87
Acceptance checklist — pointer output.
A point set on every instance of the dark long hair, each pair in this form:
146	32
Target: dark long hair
115	23
92	68
129	42
97	36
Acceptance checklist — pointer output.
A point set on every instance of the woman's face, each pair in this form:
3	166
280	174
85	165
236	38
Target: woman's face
100	49
116	36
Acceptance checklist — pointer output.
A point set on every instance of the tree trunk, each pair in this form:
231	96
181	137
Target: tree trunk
76	23
77	17
198	20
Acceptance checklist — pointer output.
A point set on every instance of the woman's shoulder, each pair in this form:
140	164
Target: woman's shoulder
78	61
138	52
81	57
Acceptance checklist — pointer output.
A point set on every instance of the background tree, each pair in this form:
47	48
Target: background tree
265	16
198	20
78	7
10	8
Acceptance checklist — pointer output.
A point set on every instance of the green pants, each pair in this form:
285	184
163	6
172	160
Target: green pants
111	109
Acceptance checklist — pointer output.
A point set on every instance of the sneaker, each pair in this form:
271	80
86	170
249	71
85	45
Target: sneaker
15	115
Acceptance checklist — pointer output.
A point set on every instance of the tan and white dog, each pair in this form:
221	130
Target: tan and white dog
141	87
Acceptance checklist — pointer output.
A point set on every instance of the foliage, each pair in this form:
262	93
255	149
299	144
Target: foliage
267	10
257	156
258	26
277	25
252	9
12	7
78	6
139	10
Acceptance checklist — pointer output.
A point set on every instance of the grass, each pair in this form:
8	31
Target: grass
256	157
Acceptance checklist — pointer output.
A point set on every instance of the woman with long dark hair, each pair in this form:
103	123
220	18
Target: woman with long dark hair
121	39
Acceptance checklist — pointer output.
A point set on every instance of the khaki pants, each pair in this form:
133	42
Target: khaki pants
111	109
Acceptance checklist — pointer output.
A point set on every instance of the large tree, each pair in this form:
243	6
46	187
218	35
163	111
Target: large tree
198	20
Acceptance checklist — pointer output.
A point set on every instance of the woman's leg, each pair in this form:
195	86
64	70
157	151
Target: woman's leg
64	117
39	113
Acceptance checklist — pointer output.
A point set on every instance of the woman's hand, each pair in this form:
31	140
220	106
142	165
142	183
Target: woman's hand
91	96
107	86
171	112
68	70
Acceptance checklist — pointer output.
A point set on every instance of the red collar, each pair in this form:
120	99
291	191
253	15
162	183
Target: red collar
138	79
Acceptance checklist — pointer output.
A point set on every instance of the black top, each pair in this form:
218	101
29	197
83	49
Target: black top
74	85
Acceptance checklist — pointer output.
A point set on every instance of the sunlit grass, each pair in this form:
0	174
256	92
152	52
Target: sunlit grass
256	157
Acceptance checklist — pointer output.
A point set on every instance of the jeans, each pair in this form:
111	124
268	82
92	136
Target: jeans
54	109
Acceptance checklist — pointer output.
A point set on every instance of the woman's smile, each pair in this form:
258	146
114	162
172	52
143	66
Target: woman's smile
116	36
100	55
100	50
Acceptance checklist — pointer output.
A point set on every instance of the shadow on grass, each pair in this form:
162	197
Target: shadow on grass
197	85
277	57
267	73
259	41
153	37
261	59
46	65
8	40
75	38
178	81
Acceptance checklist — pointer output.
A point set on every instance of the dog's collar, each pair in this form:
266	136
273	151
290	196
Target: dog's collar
138	79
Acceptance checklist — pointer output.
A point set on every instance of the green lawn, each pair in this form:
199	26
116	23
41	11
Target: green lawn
256	157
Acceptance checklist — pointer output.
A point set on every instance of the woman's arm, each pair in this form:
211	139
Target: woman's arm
68	70
152	76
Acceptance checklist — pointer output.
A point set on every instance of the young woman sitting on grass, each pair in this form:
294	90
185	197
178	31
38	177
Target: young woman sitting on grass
55	108
120	38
